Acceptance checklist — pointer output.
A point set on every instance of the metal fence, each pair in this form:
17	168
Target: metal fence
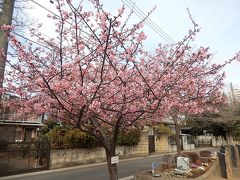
202	142
23	157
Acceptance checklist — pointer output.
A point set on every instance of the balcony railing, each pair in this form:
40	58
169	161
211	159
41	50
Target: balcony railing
10	117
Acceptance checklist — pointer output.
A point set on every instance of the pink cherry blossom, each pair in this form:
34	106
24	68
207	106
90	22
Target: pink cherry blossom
98	77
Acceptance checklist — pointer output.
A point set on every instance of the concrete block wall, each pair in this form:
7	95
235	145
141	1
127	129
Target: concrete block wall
218	141
172	148
188	146
204	138
70	157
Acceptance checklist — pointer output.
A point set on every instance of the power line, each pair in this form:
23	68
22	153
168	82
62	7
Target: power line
148	21
37	43
32	41
155	25
45	8
137	11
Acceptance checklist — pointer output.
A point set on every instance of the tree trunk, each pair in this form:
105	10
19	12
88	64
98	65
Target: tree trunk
112	168
177	135
178	141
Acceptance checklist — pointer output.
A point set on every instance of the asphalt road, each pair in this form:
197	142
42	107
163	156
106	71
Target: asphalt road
97	172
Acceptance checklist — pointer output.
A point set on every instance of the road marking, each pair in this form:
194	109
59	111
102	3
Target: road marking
127	178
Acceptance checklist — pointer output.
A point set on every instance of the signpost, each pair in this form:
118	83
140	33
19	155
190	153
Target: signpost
114	159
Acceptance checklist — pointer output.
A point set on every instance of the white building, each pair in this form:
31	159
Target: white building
233	93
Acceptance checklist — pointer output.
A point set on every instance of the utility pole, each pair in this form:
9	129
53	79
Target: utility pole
6	13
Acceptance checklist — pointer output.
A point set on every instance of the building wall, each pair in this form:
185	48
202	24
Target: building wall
7	133
233	93
17	133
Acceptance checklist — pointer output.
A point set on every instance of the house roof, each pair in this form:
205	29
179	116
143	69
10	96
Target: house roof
168	120
11	94
21	123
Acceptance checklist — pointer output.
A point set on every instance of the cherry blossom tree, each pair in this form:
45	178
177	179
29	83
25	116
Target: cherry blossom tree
202	91
200	88
89	76
97	77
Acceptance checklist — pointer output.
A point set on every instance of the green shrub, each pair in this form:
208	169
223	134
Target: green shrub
161	128
65	137
71	138
75	138
49	125
56	138
129	138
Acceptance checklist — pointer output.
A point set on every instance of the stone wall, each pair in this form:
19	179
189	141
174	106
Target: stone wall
161	143
141	149
71	157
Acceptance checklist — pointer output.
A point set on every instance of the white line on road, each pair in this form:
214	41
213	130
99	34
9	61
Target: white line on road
127	178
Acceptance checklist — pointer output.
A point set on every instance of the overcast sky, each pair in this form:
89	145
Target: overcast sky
219	21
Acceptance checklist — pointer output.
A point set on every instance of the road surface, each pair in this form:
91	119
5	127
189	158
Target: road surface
96	172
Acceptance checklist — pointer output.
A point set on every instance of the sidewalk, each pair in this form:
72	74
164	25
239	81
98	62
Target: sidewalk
236	175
